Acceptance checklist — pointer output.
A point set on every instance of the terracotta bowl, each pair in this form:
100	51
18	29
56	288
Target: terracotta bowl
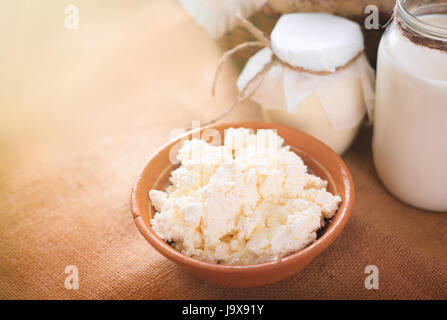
321	161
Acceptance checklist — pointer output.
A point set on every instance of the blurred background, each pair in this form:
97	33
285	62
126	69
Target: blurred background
57	83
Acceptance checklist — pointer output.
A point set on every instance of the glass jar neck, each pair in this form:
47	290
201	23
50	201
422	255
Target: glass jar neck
407	12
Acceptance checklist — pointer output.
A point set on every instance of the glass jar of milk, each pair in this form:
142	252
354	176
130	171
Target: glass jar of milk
410	116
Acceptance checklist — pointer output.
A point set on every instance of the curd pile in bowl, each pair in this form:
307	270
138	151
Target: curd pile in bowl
248	201
246	210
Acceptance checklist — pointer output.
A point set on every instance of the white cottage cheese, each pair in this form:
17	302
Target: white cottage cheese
248	201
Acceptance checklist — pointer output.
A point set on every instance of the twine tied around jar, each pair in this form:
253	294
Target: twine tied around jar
253	84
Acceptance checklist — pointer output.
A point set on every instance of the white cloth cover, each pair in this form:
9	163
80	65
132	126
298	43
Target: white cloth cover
292	87
219	16
316	41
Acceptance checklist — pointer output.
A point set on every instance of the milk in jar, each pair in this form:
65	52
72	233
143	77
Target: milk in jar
410	115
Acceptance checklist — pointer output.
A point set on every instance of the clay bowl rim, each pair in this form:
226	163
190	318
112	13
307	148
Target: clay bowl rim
311	251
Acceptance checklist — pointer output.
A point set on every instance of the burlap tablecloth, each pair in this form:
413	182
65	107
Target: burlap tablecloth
81	112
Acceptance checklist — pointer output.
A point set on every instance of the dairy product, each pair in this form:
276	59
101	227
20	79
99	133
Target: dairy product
332	113
314	77
330	108
248	201
409	143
